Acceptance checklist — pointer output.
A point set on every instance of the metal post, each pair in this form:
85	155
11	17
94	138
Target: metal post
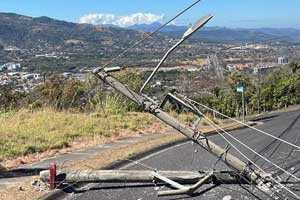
243	105
160	63
52	179
199	24
259	86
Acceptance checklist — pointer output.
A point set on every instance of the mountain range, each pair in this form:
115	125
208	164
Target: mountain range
43	32
223	34
28	32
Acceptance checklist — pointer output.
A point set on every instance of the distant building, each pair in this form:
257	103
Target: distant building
231	67
238	66
194	69
11	48
67	75
283	60
2	68
10	67
13	74
263	69
49	55
34	76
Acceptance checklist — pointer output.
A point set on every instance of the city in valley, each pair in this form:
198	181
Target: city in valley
26	64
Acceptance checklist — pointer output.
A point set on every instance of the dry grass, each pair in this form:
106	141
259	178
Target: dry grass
25	132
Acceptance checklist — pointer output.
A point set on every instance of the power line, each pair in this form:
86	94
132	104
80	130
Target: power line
242	123
214	126
267	160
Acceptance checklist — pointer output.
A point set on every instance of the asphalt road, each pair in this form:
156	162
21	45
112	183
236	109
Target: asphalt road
191	157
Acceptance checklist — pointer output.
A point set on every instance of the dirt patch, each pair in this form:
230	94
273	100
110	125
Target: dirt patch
22	191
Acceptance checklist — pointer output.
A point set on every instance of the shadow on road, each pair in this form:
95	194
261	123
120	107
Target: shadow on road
264	118
22	172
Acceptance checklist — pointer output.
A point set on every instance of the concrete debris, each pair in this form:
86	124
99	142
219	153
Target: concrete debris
228	197
39	185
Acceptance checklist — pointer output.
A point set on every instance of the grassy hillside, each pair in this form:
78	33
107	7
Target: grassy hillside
24	132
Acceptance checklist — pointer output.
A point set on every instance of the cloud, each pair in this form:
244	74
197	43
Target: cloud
123	21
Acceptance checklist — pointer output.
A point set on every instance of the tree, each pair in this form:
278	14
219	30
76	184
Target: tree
217	91
10	99
295	66
63	94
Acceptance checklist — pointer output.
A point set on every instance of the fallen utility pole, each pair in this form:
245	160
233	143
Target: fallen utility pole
141	176
152	107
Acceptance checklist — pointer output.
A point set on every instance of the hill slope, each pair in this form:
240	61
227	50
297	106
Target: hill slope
28	32
75	45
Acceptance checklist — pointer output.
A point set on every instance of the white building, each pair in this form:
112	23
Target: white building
263	69
231	67
283	60
10	66
34	76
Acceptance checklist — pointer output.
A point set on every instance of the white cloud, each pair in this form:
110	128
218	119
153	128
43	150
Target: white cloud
123	21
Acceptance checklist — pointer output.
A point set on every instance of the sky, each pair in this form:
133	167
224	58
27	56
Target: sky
227	13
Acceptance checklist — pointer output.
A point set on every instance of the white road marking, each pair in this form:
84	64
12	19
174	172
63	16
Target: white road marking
154	154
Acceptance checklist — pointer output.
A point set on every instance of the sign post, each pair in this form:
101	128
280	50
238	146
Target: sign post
240	89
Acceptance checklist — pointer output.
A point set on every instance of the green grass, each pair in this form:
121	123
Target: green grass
25	132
